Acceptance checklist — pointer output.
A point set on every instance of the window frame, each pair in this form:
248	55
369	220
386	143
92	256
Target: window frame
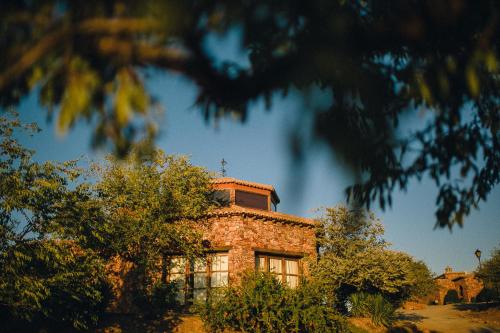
283	258
242	198
188	287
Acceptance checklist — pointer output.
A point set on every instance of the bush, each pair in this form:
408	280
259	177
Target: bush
489	272
487	295
374	306
52	283
262	304
164	295
158	298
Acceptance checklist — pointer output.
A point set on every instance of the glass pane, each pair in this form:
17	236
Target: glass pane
292	281
262	264
250	200
220	263
200	280
199	295
177	265
278	277
179	281
177	278
292	267
200	265
275	265
219	279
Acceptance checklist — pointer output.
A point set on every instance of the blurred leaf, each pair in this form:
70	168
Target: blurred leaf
78	94
472	80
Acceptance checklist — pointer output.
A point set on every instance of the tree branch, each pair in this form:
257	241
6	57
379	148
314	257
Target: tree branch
90	26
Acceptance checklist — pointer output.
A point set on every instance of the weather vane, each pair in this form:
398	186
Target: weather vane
223	167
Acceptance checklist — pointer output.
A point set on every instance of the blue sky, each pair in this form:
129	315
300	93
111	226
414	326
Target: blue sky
258	150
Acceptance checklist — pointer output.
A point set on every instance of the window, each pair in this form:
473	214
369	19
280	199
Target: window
178	276
199	279
285	269
195	279
251	200
219	276
222	198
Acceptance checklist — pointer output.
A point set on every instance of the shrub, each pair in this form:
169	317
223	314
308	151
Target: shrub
489	272
358	304
153	298
381	310
262	304
487	295
52	283
164	295
374	306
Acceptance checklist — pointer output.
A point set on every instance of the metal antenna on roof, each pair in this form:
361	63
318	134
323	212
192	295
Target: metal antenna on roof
223	168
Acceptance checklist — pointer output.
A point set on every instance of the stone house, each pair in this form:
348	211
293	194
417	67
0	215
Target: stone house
466	285
246	233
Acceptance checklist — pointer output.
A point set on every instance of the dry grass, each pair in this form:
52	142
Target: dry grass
170	322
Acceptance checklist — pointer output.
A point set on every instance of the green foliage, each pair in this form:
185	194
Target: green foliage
52	281
379	64
132	210
354	257
262	304
381	310
60	223
487	294
357	305
139	201
164	296
489	272
41	278
423	280
374	306
153	300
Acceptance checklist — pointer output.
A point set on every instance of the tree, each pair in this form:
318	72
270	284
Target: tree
353	257
60	225
42	279
140	210
137	208
376	60
50	283
489	272
424	283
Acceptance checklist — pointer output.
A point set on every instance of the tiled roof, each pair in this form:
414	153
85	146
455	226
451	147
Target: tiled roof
286	218
230	180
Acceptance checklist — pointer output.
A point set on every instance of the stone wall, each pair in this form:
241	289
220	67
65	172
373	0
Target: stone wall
468	288
466	285
243	235
239	233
